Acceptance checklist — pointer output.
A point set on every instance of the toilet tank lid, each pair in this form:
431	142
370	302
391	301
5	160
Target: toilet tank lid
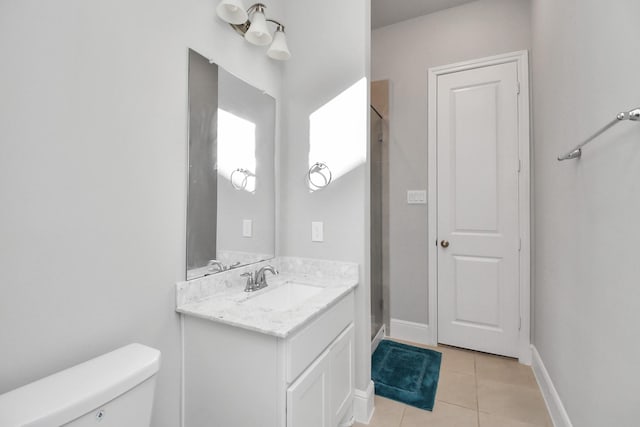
69	394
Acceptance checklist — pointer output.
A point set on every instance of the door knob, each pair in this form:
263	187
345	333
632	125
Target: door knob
444	244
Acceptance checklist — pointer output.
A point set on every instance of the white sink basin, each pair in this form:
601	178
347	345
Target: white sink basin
285	297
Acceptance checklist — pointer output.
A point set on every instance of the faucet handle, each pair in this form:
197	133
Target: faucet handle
251	284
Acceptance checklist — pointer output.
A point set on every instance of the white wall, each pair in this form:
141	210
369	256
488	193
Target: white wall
330	54
403	53
585	69
93	120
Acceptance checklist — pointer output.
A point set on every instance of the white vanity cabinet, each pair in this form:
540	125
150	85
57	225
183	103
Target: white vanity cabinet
322	395
235	377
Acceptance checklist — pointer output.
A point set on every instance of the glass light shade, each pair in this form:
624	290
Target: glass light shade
278	49
258	33
232	11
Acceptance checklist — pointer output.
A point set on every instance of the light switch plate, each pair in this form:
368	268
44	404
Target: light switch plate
417	197
317	232
247	228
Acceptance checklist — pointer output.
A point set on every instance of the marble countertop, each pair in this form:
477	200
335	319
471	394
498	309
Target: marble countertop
228	303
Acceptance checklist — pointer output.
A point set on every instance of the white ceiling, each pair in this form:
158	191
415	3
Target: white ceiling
387	12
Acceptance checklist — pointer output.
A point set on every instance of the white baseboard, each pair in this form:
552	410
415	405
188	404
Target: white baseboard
410	331
363	404
525	354
551	397
379	337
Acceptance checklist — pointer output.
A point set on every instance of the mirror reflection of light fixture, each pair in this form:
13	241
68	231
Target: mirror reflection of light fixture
252	25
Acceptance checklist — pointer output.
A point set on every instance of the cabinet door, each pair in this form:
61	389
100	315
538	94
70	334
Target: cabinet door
323	394
341	375
308	397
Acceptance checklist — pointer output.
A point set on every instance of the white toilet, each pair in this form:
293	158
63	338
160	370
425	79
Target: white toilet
112	390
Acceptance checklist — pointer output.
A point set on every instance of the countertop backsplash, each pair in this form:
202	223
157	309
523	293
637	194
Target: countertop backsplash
228	281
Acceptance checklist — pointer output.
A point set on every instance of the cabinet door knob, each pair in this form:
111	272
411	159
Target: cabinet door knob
444	244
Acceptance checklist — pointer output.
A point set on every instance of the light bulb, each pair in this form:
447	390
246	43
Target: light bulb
258	33
232	11
279	49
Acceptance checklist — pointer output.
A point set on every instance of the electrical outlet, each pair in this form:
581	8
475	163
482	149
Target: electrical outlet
317	232
247	228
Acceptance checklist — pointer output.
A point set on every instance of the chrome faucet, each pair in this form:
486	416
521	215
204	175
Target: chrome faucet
261	280
257	280
216	266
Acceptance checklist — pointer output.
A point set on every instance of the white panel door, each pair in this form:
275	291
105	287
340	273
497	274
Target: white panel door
477	146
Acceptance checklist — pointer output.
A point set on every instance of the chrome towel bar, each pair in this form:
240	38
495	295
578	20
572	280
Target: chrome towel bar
633	115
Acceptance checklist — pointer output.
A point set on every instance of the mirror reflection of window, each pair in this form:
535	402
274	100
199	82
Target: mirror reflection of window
337	138
237	151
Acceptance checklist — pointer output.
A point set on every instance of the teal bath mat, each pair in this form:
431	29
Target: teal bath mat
405	373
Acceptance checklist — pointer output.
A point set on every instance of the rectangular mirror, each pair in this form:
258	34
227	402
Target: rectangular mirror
231	195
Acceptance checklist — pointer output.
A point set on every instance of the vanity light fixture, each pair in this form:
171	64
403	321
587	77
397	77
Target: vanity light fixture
252	25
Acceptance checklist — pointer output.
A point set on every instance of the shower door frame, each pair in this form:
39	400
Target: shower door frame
521	59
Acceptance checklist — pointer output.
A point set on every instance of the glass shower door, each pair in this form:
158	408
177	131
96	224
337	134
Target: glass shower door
377	299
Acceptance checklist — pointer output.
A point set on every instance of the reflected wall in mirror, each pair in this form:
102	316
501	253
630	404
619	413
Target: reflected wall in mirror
231	195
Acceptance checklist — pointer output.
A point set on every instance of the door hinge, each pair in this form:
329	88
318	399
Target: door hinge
519	244
520	323
518	88
519	165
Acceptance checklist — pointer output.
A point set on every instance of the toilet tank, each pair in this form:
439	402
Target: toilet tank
115	389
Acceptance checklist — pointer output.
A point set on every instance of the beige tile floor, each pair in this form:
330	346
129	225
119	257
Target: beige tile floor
474	390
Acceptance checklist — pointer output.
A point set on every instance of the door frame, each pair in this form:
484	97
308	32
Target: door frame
521	59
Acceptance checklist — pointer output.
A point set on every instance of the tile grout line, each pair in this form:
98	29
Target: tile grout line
456	404
404	408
